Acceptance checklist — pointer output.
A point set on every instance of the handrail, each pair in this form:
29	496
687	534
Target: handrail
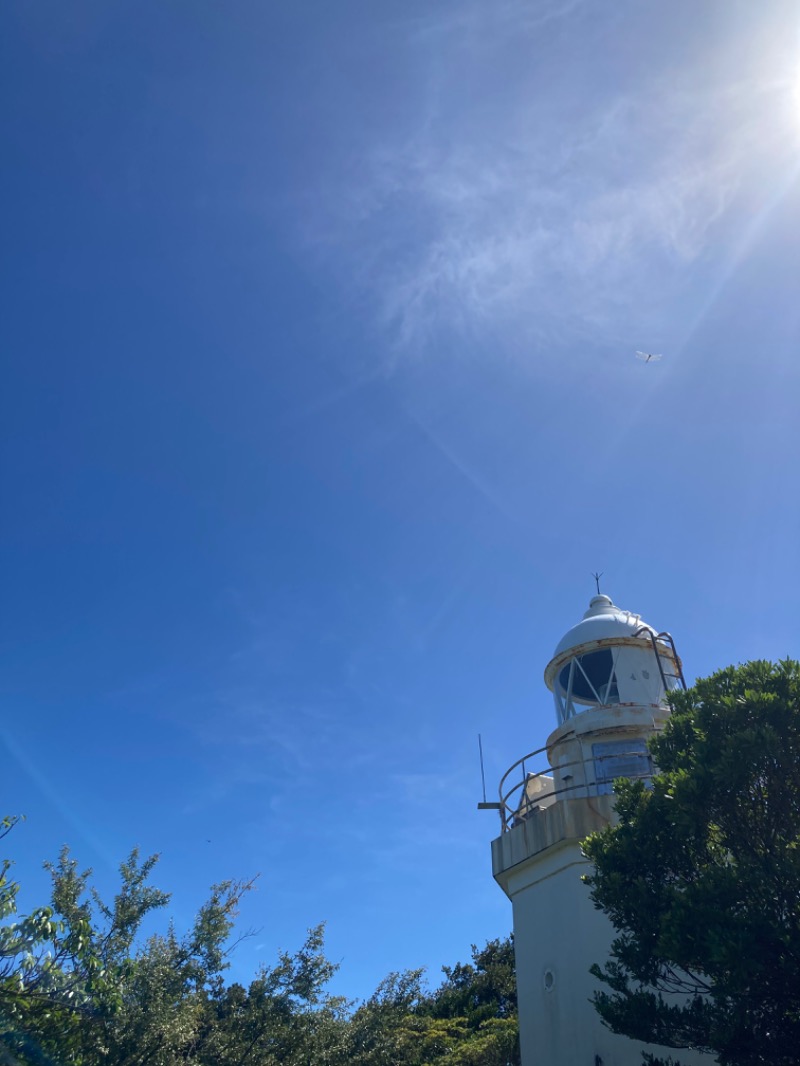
523	812
541	773
665	638
519	762
512	815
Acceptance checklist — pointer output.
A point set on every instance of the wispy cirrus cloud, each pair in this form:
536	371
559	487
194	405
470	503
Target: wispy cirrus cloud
516	195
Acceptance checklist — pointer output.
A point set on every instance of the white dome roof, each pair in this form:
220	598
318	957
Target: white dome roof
603	619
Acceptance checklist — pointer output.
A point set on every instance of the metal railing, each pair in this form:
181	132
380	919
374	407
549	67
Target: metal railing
518	803
664	638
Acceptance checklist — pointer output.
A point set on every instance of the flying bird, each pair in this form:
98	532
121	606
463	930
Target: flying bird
648	357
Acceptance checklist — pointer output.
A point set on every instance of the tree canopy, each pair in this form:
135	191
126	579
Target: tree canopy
701	877
80	987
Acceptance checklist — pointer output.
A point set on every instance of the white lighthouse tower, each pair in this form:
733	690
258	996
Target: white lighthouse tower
609	676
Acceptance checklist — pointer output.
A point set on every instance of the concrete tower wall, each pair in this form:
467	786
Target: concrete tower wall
557	937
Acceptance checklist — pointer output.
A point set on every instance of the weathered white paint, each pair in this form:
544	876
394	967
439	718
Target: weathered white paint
608	658
557	937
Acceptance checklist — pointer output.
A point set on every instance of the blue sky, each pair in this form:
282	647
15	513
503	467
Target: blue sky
320	405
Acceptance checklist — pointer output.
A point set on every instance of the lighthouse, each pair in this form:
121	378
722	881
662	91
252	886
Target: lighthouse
609	675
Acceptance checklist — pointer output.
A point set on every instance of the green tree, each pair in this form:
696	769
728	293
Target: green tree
701	877
469	1020
81	986
483	996
59	966
285	1016
76	986
165	990
485	988
383	1031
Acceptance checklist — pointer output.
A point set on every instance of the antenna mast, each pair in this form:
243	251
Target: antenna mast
483	775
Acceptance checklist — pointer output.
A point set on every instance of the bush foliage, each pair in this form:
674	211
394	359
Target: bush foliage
79	987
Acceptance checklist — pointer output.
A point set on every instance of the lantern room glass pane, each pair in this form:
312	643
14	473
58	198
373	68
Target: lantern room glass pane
593	680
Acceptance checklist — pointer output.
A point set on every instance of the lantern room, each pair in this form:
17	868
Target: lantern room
611	658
